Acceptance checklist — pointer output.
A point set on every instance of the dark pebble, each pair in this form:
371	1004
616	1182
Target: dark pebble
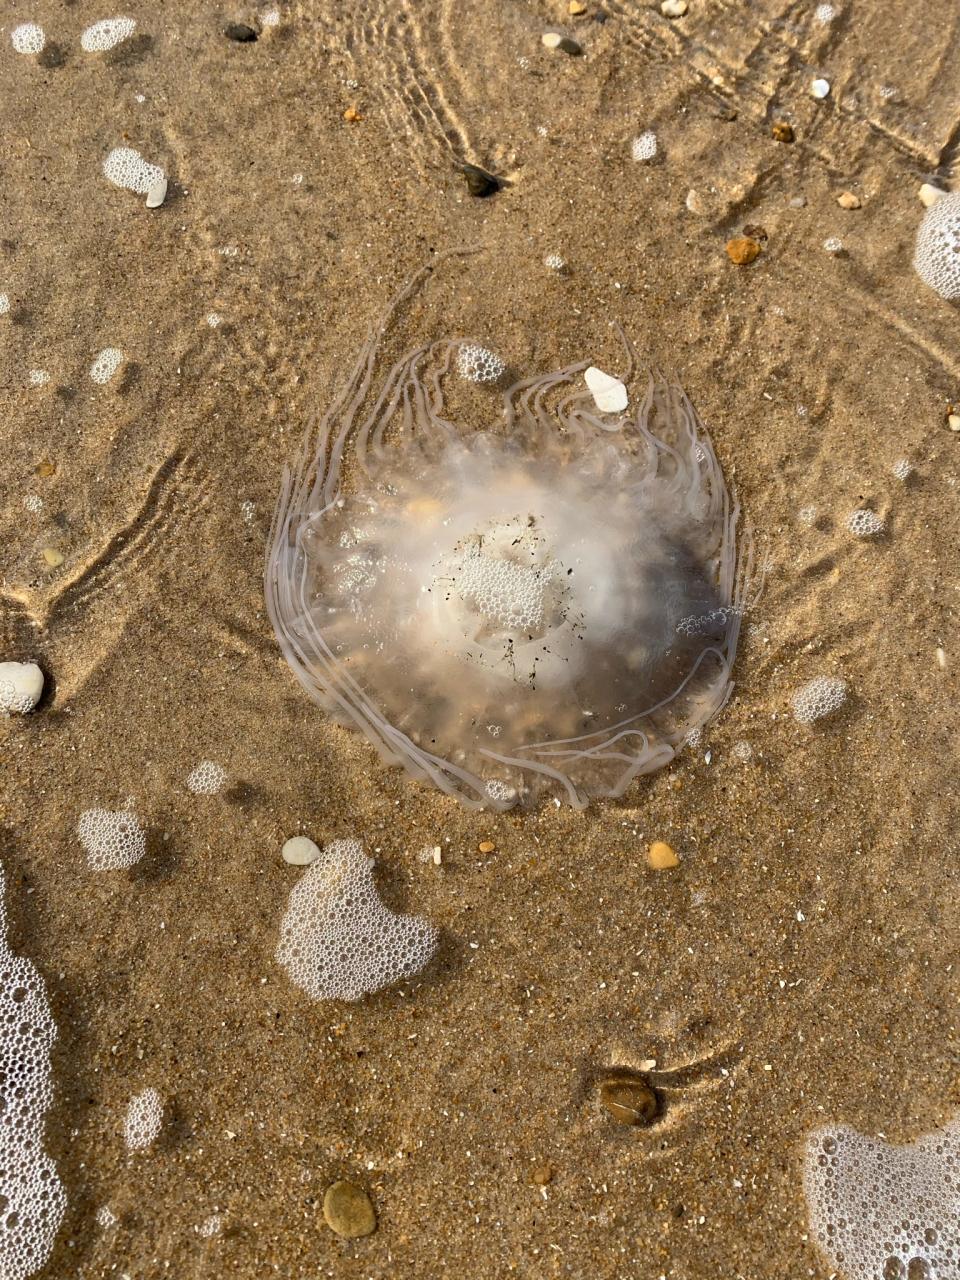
240	32
479	182
629	1098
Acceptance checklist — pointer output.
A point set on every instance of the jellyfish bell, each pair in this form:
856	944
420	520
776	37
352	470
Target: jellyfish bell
550	602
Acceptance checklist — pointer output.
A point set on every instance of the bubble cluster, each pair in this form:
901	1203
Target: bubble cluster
902	468
38	377
28	38
864	523
644	147
106	365
21	685
111	840
337	939
127	168
819	698
881	1212
31	1194
207	779
554	262
936	258
477	364
506	594
4	303
143	1120
105	34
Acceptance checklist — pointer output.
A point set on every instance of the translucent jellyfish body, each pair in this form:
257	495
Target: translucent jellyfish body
552	601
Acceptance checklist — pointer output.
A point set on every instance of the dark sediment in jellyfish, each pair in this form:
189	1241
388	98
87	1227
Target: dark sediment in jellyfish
550	603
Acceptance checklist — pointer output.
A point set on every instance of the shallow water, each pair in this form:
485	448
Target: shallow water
795	969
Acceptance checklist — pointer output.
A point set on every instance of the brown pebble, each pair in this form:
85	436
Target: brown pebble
541	1174
742	250
629	1098
780	131
53	557
661	857
347	1211
352	115
45	468
486	846
847	200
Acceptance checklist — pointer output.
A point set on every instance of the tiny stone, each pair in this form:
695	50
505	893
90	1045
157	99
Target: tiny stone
661	857
347	1211
798	202
157	194
847	200
953	421
541	1174
240	32
486	846
576	9
820	88
742	250
556	40
45	468
782	132
629	1099
674	8
929	194
53	557
479	182
21	684
300	851
352	115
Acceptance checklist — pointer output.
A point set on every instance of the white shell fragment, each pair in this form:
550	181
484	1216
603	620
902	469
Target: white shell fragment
820	88
157	194
929	194
105	34
300	851
21	684
28	38
107	363
609	393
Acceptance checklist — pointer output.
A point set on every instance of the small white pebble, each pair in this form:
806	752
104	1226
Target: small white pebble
157	194
609	393
798	202
942	659
300	851
106	364
674	8
21	684
28	38
929	194
953	421
644	147
207	779
820	88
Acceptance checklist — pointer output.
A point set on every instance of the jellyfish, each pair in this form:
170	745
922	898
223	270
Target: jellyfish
547	603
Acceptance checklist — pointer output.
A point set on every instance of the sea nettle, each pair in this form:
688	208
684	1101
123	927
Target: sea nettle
549	602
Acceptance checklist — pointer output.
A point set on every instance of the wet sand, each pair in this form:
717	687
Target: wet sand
797	966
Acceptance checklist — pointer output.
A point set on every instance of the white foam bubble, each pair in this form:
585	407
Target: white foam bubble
127	168
144	1119
111	840
106	364
207	778
31	1192
644	147
28	38
106	33
4	303
477	364
880	1212
819	697
337	940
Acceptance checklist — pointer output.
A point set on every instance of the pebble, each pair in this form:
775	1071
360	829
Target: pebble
661	857
352	115
21	684
629	1099
240	32
347	1211
780	131
53	557
609	393
674	8
798	202
541	1174
820	88
556	40
486	846
847	200
576	9
929	194
743	250
479	182
157	194
953	421
300	851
